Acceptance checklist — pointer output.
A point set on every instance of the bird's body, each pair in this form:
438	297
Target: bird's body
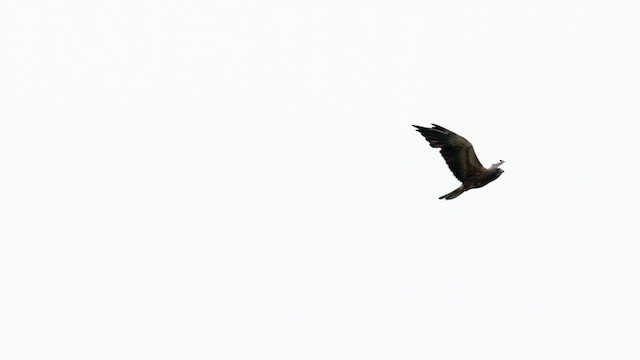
461	158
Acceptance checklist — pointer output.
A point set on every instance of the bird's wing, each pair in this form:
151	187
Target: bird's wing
456	151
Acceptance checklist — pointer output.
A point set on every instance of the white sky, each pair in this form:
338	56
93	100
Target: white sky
240	180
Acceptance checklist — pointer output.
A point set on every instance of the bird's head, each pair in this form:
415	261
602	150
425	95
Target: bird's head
496	171
496	165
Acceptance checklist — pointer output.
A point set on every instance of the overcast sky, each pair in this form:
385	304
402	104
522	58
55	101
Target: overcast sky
240	180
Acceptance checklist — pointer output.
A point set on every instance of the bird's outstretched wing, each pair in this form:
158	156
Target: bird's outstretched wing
456	151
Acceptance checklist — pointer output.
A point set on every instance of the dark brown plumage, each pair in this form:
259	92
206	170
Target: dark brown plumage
462	160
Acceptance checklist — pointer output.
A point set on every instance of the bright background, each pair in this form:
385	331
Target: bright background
240	180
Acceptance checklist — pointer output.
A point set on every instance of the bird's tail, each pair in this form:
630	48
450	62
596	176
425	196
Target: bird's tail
454	194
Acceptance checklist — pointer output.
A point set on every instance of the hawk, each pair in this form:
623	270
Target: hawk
462	160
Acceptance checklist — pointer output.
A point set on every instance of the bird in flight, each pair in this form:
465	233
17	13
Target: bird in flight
462	160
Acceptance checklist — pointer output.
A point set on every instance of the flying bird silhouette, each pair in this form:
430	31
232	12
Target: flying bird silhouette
462	160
